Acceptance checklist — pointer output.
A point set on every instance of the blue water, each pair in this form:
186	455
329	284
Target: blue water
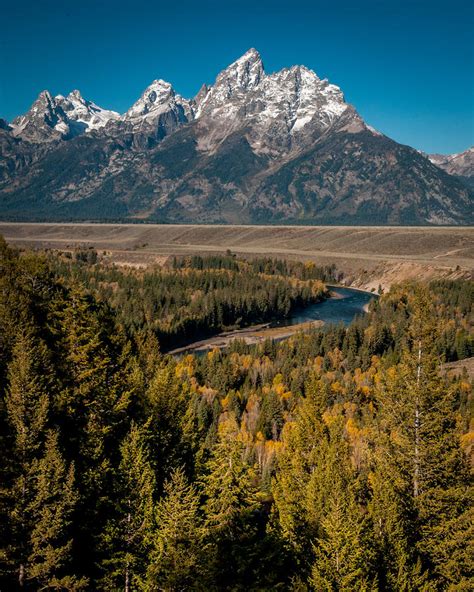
342	309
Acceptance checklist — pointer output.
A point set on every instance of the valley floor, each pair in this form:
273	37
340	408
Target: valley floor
368	256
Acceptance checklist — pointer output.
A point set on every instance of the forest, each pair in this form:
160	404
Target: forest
339	459
196	297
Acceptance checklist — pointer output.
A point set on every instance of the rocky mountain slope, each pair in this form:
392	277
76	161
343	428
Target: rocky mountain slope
252	148
461	165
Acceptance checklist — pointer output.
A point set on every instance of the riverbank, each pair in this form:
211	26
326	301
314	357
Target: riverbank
342	307
250	335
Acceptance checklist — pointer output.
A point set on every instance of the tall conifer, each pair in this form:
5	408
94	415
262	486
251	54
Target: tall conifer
51	510
27	405
231	506
179	552
128	535
418	442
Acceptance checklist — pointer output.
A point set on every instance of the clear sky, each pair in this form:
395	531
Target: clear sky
407	66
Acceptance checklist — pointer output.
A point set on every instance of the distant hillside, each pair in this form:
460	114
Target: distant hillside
461	165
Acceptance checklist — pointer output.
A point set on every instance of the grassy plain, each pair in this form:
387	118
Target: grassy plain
368	256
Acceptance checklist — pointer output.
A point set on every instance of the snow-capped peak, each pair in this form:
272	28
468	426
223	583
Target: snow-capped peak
44	97
461	163
75	94
54	117
243	75
86	114
155	100
246	72
276	105
43	121
279	105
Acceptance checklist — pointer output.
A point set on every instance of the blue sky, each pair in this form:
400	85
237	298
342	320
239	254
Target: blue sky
407	66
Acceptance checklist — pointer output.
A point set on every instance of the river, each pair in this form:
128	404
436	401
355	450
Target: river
347	304
342	307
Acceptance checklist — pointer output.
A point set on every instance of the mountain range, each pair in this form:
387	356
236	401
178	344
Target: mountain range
254	147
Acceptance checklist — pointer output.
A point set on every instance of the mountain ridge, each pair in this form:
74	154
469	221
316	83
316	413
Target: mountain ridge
252	147
460	164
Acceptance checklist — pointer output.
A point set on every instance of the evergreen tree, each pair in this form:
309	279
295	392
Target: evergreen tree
419	444
26	289
299	489
228	484
342	553
165	407
393	516
179	552
27	407
231	509
96	396
148	353
128	535
51	513
92	407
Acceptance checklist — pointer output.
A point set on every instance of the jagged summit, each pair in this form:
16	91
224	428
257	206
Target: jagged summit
86	114
44	96
158	98
158	93
52	118
245	73
242	92
250	55
75	94
252	147
44	121
276	108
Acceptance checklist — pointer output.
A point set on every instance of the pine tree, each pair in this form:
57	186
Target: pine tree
51	510
26	287
165	406
27	399
298	489
179	551
27	406
41	496
447	531
148	353
231	509
93	398
228	485
343	557
393	517
92	407
128	535
343	552
418	442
